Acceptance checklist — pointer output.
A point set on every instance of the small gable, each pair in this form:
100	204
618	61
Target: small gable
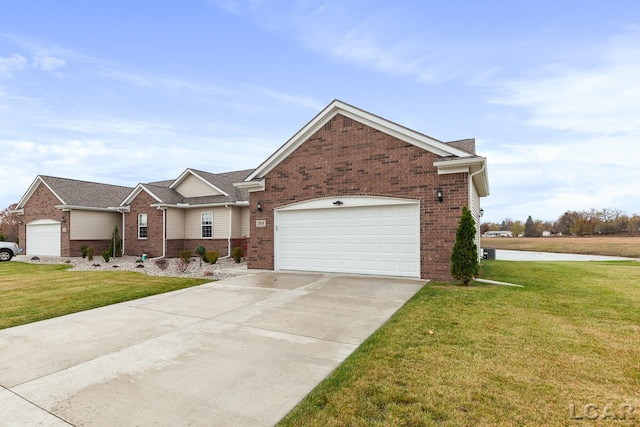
193	186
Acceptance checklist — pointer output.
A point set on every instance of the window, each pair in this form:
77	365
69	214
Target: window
142	226
207	224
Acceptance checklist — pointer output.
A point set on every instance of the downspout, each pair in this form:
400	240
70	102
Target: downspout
471	183
229	235
164	234
470	201
124	234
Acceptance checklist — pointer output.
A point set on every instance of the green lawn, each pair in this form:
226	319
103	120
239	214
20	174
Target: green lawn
490	355
31	292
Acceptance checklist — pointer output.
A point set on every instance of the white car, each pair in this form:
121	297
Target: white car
8	250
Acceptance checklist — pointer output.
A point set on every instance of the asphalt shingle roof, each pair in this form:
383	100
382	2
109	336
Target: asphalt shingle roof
224	181
74	192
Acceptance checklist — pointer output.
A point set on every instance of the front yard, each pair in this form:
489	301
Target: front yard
560	350
31	292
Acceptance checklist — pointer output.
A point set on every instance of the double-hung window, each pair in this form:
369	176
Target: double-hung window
142	226
207	224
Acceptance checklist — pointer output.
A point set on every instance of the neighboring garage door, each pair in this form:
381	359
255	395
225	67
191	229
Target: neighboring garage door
43	237
350	235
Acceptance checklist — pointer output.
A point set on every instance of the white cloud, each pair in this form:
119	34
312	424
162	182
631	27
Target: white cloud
604	99
48	63
13	62
587	125
351	32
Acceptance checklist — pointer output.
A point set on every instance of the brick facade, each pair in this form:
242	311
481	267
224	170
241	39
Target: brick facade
152	245
174	246
348	158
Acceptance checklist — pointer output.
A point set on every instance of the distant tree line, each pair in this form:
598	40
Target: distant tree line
572	223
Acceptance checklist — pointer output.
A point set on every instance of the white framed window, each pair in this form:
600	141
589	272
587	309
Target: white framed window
142	226
207	225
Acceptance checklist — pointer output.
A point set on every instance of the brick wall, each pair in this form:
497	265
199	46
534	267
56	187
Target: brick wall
174	246
152	245
349	158
98	246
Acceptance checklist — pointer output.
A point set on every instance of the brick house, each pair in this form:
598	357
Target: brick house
197	208
59	215
353	192
350	192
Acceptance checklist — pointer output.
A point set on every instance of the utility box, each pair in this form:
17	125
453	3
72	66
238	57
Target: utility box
488	253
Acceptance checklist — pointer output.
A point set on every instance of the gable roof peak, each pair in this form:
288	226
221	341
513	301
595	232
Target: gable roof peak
381	124
78	193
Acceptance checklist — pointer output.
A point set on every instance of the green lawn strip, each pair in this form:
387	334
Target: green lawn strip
497	355
29	292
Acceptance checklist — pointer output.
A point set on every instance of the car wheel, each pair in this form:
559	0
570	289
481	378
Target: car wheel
5	255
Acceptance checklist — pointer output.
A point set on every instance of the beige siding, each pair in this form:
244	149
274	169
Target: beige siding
193	223
244	221
475	212
175	223
195	187
91	225
236	224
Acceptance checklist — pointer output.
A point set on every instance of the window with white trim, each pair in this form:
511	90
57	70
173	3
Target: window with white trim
207	224
142	226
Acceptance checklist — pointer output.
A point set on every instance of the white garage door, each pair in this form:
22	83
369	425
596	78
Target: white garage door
380	240
43	238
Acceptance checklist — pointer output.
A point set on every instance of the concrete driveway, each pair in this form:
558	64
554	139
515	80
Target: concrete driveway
241	351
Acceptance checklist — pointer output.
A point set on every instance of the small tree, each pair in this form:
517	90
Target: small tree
115	246
530	228
236	254
464	258
200	251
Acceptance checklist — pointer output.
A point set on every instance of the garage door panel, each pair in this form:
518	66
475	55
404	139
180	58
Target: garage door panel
365	239
43	238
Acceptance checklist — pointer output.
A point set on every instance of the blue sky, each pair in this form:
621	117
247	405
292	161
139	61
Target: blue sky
122	92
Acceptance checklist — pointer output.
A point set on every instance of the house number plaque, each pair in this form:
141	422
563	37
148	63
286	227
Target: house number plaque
260	223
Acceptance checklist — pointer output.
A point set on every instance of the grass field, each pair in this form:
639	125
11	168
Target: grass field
489	355
616	246
36	292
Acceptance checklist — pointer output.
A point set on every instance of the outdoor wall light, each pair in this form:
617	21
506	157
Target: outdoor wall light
20	222
481	212
338	203
62	220
440	195
259	206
